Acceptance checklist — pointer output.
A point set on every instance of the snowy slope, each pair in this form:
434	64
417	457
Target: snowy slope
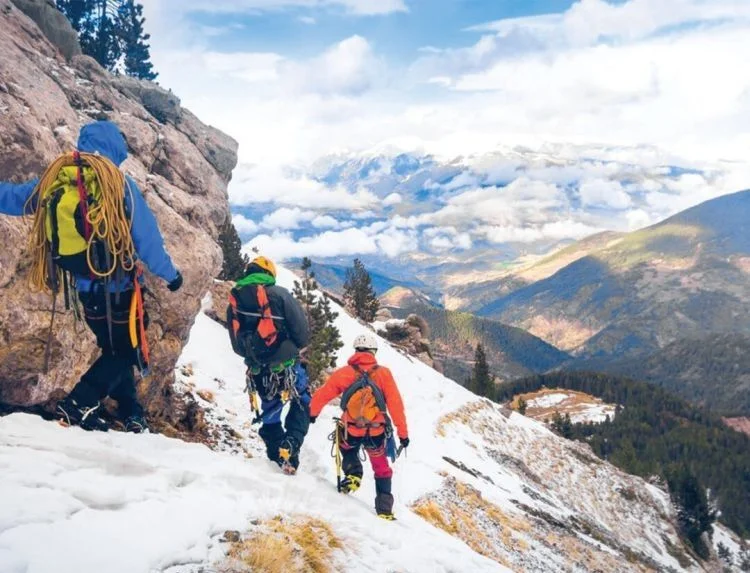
90	502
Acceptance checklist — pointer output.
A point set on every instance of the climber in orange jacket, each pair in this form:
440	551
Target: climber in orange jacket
365	420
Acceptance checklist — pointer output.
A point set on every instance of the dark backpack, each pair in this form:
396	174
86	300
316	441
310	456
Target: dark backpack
255	332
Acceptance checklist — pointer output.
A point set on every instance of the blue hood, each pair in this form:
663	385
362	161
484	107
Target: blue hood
104	138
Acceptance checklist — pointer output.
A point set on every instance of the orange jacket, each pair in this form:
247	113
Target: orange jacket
342	378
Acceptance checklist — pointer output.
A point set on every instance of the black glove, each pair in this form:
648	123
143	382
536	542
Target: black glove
404	442
312	419
176	283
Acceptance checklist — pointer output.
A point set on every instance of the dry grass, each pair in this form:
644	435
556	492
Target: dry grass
284	544
461	511
206	395
575	404
463	415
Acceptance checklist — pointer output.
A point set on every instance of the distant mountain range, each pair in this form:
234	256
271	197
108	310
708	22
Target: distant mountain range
333	277
712	371
686	277
669	304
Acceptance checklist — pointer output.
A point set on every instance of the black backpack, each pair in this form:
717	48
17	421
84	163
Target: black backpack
255	332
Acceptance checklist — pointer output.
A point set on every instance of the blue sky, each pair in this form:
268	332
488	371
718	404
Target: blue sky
608	92
399	35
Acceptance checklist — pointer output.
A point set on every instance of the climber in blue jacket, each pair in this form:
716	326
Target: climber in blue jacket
112	373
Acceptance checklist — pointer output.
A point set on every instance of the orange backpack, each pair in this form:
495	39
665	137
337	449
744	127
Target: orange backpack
364	401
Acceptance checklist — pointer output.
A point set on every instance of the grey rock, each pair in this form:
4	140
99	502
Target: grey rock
53	24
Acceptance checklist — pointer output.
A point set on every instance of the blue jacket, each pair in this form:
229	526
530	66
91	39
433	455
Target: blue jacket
104	138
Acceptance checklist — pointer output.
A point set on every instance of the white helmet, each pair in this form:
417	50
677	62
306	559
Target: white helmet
365	341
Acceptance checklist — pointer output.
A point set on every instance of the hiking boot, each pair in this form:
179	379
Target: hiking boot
289	453
70	413
136	424
350	484
384	504
387	516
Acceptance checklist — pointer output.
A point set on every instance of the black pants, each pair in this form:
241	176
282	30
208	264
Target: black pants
112	373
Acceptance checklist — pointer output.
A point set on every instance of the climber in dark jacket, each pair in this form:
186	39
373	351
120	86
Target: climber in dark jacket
268	328
112	373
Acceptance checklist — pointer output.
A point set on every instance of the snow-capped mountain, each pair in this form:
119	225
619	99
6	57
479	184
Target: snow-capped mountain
479	489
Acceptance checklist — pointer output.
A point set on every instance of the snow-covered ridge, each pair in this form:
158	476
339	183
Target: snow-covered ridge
89	502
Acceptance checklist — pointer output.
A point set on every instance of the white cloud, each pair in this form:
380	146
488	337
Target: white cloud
325	222
558	230
286	218
282	246
394	242
392	199
244	225
309	20
637	219
634	85
450	242
349	67
253	184
603	193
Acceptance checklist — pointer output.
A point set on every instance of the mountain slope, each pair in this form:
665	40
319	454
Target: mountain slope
512	352
481	489
712	371
685	277
472	293
332	277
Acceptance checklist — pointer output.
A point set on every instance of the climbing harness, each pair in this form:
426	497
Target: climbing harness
269	382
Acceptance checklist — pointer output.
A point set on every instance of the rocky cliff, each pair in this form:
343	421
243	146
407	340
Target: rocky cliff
47	91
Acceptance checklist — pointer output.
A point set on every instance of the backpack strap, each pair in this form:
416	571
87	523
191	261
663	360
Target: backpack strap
364	381
266	328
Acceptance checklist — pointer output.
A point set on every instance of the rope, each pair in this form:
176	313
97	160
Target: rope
107	219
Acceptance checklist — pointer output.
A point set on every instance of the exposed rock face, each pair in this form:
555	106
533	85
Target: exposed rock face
412	336
217	310
52	24
182	167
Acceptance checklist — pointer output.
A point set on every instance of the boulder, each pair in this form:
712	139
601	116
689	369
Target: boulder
410	336
182	168
160	103
52	23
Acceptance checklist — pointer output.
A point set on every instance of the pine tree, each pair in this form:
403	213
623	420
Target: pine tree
99	35
76	11
744	559
111	31
235	261
325	339
522	405
482	383
359	294
724	554
694	515
134	41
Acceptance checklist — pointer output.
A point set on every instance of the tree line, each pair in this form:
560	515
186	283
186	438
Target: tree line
657	434
112	32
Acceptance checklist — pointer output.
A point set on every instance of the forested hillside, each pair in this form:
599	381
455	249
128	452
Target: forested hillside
653	432
511	352
713	371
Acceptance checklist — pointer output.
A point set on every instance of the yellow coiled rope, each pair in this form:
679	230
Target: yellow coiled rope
107	218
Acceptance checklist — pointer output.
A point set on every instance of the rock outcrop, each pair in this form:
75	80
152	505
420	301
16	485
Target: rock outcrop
412	336
182	166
